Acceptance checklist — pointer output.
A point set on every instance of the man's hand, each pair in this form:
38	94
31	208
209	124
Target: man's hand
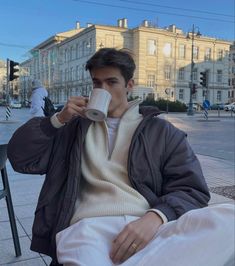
74	107
134	237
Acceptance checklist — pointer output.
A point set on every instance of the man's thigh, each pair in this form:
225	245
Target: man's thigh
202	237
88	242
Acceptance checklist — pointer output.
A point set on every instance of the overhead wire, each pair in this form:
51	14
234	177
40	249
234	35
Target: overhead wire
177	8
153	11
140	9
14	45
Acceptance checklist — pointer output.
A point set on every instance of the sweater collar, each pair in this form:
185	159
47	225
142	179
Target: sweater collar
132	112
135	110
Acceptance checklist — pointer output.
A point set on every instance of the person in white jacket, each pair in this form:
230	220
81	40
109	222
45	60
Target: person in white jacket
37	102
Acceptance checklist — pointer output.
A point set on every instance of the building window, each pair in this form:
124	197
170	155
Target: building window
71	78
181	51
181	73
167	49
195	74
208	54
66	75
152	47
219	76
167	72
151	81
80	74
84	49
195	52
219	96
220	54
181	94
66	55
226	53
61	75
77	72
233	57
71	53
77	50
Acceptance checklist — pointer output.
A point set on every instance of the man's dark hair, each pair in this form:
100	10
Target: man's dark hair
121	59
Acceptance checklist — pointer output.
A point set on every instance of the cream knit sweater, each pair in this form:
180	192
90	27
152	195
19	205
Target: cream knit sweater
107	190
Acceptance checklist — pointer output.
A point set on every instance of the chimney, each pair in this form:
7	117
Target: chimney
119	22
77	25
172	28
89	25
145	23
124	21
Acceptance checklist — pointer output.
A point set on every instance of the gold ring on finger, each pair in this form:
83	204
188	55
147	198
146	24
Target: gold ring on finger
134	246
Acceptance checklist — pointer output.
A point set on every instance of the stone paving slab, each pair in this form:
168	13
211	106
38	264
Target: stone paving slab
8	252
227	191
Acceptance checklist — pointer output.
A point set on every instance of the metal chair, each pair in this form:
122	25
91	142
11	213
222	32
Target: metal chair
5	193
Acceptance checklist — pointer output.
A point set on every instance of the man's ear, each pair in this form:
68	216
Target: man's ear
130	85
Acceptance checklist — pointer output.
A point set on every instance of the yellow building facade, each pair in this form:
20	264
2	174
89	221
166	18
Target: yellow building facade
163	61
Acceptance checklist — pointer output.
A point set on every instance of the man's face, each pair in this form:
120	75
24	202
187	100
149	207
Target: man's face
110	79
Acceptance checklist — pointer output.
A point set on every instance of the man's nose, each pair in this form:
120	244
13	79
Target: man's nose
105	86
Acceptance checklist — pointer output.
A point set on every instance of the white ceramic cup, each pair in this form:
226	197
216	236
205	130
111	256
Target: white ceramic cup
98	104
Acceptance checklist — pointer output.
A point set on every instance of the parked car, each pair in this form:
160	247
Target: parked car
196	106
3	102
15	104
217	106
229	107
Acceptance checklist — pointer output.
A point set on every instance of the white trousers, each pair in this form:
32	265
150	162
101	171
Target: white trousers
203	237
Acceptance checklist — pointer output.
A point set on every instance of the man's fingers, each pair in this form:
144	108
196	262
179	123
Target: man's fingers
133	248
122	249
134	237
74	107
122	244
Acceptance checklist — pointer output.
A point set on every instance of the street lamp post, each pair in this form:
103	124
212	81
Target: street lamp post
190	106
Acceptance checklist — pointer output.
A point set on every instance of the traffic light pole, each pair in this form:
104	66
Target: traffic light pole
190	106
8	109
8	84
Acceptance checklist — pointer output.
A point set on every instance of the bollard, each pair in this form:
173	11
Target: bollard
8	112
206	114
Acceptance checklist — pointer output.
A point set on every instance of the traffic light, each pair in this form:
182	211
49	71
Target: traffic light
204	79
13	70
194	88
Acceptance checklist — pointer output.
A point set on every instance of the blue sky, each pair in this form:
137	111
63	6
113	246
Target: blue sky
26	23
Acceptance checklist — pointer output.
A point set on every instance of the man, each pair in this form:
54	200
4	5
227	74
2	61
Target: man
118	191
37	98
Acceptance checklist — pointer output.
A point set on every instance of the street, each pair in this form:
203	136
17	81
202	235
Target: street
215	137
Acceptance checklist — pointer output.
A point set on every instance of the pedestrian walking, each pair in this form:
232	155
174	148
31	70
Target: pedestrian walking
37	98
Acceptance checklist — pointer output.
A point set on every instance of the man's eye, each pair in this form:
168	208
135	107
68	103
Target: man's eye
112	81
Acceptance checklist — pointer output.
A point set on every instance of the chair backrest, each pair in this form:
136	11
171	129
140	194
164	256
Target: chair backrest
3	155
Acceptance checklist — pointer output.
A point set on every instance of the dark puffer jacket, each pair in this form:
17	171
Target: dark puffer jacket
161	166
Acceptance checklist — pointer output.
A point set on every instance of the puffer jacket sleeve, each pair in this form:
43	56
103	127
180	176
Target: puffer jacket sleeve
164	169
30	147
183	185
